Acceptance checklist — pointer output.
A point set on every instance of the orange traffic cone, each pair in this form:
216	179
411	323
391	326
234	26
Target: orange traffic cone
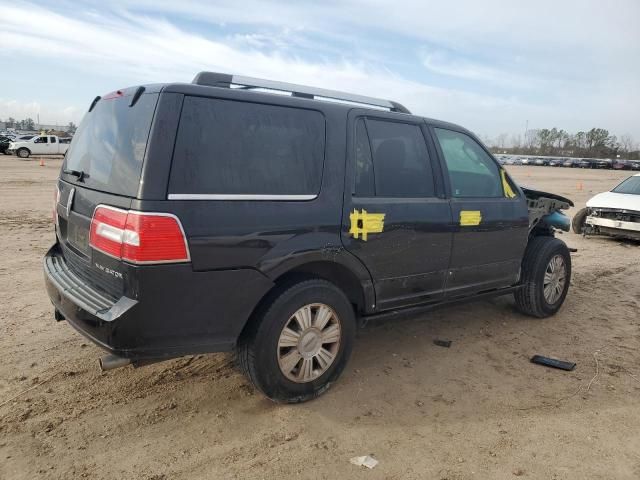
579	186
42	162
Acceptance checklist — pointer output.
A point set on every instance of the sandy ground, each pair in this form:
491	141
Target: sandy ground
476	410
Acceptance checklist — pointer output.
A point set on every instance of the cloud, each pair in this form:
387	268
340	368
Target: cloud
489	67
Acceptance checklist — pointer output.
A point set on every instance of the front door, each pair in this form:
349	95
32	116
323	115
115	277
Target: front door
40	146
489	213
396	218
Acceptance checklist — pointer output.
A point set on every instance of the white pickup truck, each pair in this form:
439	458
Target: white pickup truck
40	145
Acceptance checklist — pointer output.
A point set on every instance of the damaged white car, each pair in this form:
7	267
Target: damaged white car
615	213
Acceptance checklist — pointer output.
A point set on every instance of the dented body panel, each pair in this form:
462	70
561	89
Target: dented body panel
615	213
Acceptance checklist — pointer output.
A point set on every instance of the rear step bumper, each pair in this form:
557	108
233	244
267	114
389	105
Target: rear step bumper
176	310
68	284
91	312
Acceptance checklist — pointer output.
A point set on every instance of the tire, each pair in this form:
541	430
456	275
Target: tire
577	223
23	153
537	270
260	352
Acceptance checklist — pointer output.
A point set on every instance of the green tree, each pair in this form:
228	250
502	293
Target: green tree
71	128
29	124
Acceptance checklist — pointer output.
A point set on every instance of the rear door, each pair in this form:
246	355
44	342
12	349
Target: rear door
396	219
102	167
54	145
489	214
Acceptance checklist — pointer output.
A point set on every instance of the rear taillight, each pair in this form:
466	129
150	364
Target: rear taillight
56	200
138	237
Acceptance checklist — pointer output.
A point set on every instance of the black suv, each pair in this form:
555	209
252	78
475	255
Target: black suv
225	215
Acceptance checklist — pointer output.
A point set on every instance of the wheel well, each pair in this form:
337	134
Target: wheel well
335	273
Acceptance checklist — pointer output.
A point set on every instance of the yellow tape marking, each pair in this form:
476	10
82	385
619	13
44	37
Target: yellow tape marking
363	223
508	191
469	218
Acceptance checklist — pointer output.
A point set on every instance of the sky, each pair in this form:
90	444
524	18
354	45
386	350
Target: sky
492	66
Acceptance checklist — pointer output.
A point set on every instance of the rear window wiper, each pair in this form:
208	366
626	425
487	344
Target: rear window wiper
77	173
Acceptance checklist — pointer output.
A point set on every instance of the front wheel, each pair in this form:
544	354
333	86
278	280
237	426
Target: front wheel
578	222
23	153
546	274
299	342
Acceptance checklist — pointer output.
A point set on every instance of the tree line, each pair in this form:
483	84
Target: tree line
29	124
595	143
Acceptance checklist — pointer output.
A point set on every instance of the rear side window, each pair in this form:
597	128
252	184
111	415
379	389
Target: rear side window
472	172
392	160
241	148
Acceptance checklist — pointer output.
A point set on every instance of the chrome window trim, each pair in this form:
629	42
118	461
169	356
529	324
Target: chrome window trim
240	197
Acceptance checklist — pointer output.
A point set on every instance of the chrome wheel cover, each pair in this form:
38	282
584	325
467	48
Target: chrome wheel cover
555	278
309	343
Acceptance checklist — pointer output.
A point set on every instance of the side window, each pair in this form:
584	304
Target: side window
53	139
472	172
365	180
41	140
401	165
241	148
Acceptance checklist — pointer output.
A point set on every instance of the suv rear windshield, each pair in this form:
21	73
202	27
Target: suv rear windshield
110	142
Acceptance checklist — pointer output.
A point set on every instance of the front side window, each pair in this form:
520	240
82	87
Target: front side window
365	180
41	140
241	148
472	172
392	160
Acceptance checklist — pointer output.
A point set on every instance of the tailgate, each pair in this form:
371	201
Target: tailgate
74	211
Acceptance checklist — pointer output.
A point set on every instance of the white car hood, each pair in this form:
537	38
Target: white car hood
620	201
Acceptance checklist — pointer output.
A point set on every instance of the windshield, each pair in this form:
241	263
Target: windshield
630	185
109	145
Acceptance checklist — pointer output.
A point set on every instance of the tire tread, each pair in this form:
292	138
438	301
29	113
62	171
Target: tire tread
536	256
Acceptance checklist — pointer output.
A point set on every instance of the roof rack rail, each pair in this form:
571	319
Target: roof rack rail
225	80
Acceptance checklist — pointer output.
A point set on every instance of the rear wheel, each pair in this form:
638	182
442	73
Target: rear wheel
577	224
546	274
23	153
299	342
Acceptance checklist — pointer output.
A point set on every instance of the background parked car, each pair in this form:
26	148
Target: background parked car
39	145
4	145
585	163
601	163
556	162
621	165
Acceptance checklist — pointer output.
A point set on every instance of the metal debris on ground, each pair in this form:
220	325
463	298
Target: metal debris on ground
442	343
366	461
553	363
